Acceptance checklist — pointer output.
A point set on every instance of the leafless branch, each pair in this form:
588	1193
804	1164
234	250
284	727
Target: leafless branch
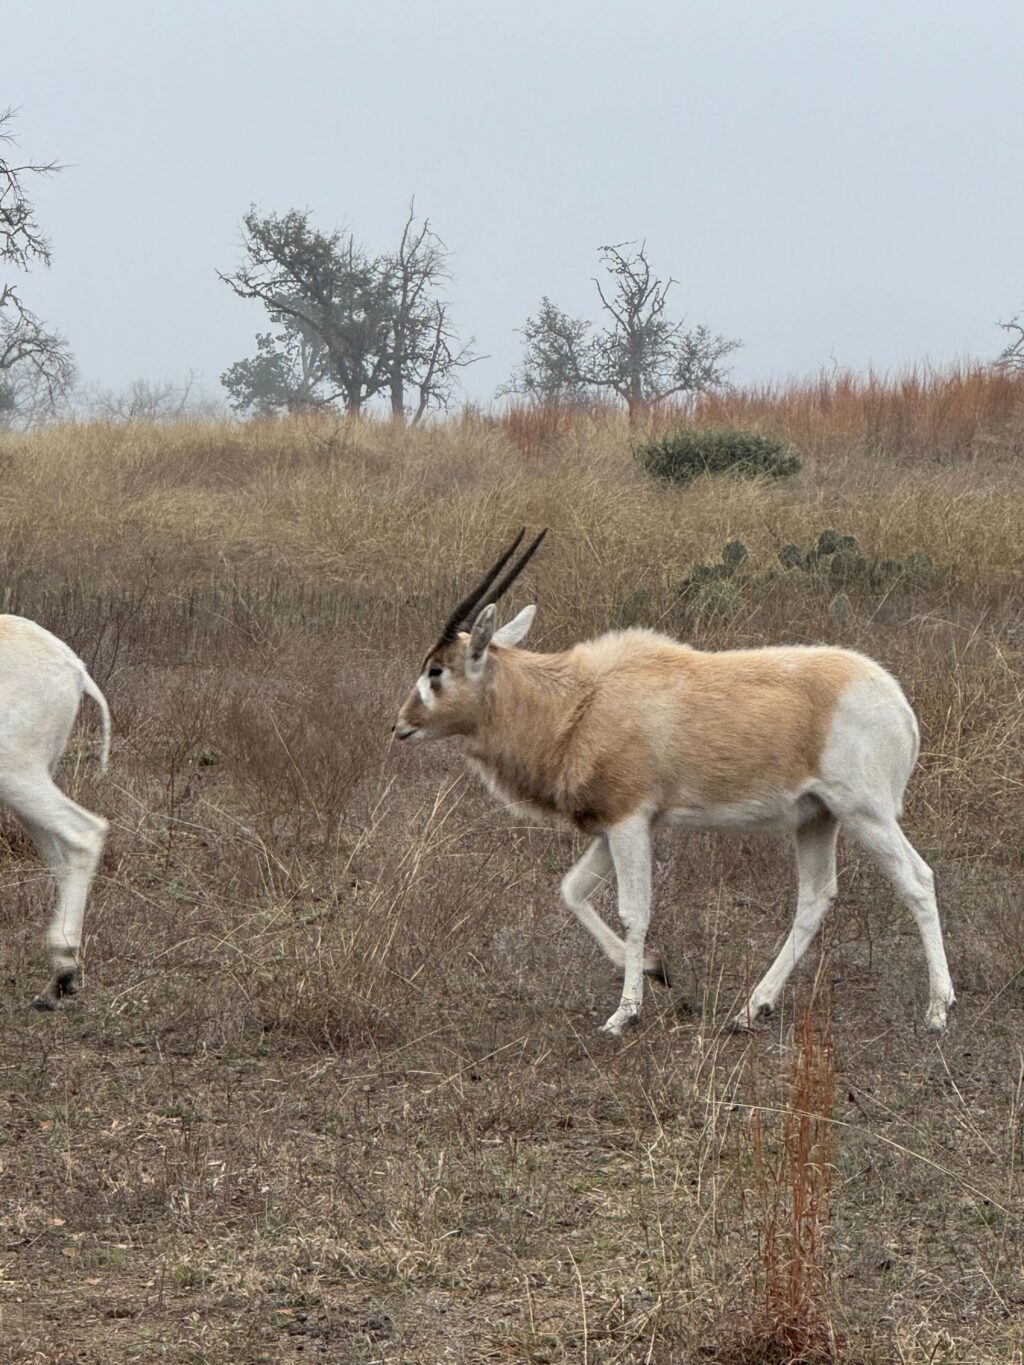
21	239
1012	356
26	345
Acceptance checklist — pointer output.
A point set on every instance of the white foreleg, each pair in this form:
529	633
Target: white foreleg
630	846
583	880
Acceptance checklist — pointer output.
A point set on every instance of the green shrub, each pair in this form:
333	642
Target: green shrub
684	455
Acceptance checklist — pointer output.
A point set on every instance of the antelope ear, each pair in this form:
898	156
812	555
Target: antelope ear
480	636
517	629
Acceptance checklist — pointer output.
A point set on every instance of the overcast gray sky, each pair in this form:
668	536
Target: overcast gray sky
828	181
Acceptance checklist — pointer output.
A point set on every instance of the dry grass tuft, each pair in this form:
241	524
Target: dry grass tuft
793	1188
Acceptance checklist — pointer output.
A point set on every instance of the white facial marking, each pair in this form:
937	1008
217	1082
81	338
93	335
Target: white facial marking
427	695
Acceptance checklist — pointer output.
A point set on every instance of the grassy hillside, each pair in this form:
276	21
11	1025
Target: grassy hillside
335	1089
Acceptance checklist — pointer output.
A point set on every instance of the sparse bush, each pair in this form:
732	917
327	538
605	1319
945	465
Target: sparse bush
791	556
733	555
683	455
841	558
707	590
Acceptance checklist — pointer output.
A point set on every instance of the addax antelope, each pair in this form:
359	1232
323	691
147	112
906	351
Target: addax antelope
41	686
632	731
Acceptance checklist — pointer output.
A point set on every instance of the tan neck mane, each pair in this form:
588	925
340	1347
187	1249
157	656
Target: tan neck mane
534	703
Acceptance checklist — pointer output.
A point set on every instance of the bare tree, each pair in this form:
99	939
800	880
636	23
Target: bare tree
146	400
425	351
26	399
352	327
33	360
1012	355
640	355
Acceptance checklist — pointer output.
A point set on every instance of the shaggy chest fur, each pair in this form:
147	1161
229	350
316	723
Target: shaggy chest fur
523	792
521	797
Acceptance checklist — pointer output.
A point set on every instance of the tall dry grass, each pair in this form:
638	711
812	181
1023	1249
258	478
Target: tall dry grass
336	1053
970	415
793	1184
255	598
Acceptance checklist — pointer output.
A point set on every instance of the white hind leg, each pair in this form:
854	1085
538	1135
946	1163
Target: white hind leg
816	868
895	855
70	840
583	880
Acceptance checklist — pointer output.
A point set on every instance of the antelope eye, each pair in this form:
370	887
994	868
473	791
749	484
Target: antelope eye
434	671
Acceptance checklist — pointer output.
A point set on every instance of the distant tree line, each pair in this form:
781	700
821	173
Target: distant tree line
347	328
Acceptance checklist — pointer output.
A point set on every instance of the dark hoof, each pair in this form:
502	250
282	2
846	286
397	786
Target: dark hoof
67	983
751	1023
64	983
658	973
